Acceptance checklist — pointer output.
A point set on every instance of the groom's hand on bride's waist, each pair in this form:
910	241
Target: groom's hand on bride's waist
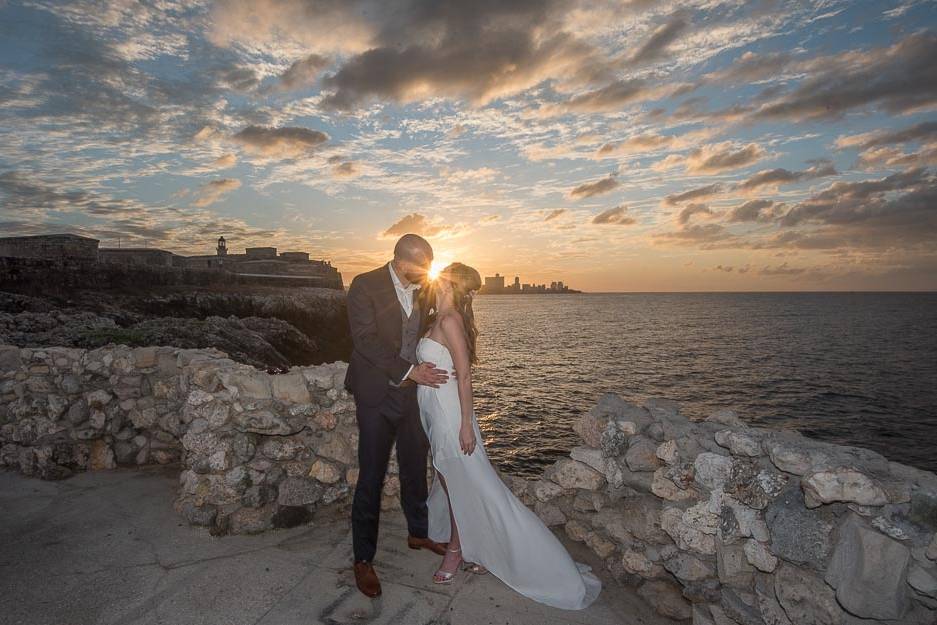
427	373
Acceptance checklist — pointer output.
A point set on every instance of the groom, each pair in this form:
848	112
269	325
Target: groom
382	375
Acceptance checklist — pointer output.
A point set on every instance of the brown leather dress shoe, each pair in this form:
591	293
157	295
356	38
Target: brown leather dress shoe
425	543
366	578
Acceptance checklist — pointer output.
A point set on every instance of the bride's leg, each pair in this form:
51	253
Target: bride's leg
450	561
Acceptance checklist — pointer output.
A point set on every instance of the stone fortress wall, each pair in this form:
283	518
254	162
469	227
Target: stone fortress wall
712	521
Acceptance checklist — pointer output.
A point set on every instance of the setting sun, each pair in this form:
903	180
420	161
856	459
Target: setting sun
435	268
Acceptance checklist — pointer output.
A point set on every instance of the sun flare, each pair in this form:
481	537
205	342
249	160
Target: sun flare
435	268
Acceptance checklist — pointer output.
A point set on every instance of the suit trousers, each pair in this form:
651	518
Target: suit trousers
397	416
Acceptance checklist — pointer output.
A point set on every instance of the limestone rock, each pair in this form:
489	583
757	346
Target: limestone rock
298	491
842	484
637	563
739	443
600	545
688	568
712	470
759	556
799	535
549	514
805	598
667	451
666	489
545	491
642	455
734	568
576	530
290	387
570	473
923	580
325	472
685	536
869	572
590	456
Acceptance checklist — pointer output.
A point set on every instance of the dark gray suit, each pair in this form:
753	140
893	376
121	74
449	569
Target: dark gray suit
384	340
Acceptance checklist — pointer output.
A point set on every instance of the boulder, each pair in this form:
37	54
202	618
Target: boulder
712	470
686	567
667	452
570	473
805	598
733	566
325	472
667	489
759	556
799	535
298	491
590	456
725	416
637	563
290	387
549	514
642	455
932	548
842	484
739	443
545	491
686	537
923	580
869	572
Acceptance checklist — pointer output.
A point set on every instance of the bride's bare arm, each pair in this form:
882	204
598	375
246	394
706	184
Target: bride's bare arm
458	346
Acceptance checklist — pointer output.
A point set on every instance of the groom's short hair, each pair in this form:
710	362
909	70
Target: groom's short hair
413	248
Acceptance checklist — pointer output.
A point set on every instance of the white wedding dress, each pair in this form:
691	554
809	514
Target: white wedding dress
496	530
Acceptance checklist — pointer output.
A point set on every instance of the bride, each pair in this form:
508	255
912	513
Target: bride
486	526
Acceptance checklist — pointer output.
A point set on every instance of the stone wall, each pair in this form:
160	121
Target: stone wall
255	450
725	524
712	521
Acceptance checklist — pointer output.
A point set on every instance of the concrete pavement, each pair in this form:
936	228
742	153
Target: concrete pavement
106	548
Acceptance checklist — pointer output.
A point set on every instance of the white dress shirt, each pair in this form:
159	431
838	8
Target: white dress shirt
405	297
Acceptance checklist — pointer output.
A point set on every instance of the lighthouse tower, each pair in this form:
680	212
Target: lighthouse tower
222	247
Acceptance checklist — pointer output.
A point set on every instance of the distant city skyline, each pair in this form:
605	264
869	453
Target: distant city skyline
625	145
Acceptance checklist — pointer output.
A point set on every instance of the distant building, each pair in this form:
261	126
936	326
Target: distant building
494	284
259	262
136	256
52	246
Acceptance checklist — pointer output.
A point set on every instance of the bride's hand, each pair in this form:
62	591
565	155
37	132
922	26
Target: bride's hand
467	438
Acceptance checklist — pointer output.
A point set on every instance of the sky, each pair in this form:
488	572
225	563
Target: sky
631	145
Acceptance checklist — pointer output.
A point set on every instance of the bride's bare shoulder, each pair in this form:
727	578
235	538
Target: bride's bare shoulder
451	322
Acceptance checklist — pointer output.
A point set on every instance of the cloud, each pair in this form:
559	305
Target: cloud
703	235
614	216
224	161
635	145
286	142
553	214
782	270
656	46
346	169
302	73
693	194
754	211
214	190
414	223
720	157
900	78
492	50
918	132
779	176
683	217
590	189
751	67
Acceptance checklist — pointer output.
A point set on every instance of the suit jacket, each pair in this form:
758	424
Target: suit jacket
374	315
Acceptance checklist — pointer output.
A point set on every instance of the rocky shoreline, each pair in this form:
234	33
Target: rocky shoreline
712	521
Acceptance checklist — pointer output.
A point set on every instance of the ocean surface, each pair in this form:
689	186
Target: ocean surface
850	368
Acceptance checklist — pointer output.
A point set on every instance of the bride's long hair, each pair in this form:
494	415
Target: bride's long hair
465	281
